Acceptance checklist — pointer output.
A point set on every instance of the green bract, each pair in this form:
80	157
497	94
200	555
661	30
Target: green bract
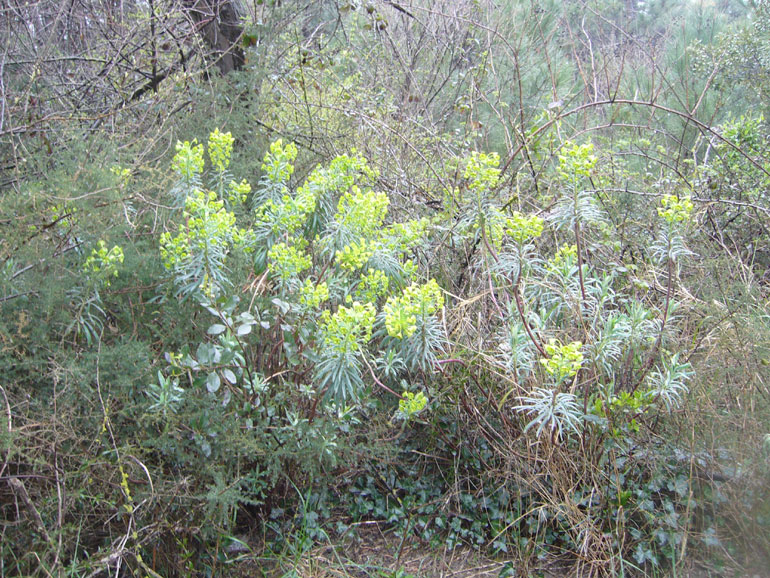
481	213
576	160
563	361
345	170
343	338
411	404
361	213
277	164
238	192
287	215
524	228
354	256
565	255
402	312
481	171
287	261
349	328
102	264
372	285
404	236
675	209
188	161
198	251
312	295
220	148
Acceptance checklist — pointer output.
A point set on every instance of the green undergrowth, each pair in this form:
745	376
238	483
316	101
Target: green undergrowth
301	378
322	309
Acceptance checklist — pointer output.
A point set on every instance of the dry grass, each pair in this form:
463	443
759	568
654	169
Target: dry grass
375	554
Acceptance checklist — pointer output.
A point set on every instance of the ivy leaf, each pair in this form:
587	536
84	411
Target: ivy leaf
213	382
216	329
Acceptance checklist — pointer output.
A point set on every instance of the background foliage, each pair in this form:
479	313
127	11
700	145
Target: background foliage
481	275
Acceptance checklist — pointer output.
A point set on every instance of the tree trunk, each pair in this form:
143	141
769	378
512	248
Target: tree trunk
219	24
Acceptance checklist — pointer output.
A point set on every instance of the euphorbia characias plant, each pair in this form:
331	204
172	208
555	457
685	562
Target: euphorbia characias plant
332	272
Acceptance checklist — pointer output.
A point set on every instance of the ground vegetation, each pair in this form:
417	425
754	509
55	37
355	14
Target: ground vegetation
379	288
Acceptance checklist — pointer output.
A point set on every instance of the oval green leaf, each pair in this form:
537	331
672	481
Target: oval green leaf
213	382
216	329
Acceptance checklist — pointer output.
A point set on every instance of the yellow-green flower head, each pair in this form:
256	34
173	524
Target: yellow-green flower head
286	261
206	206
373	285
409	268
362	212
349	328
411	404
340	176
401	312
207	225
354	256
220	149
103	263
312	295
563	361
188	160
400	320
577	160
238	192
675	209
277	163
566	254
481	171
174	250
524	228
289	214
123	174
404	236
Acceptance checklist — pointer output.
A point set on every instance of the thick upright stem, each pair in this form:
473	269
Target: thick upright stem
520	309
579	248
